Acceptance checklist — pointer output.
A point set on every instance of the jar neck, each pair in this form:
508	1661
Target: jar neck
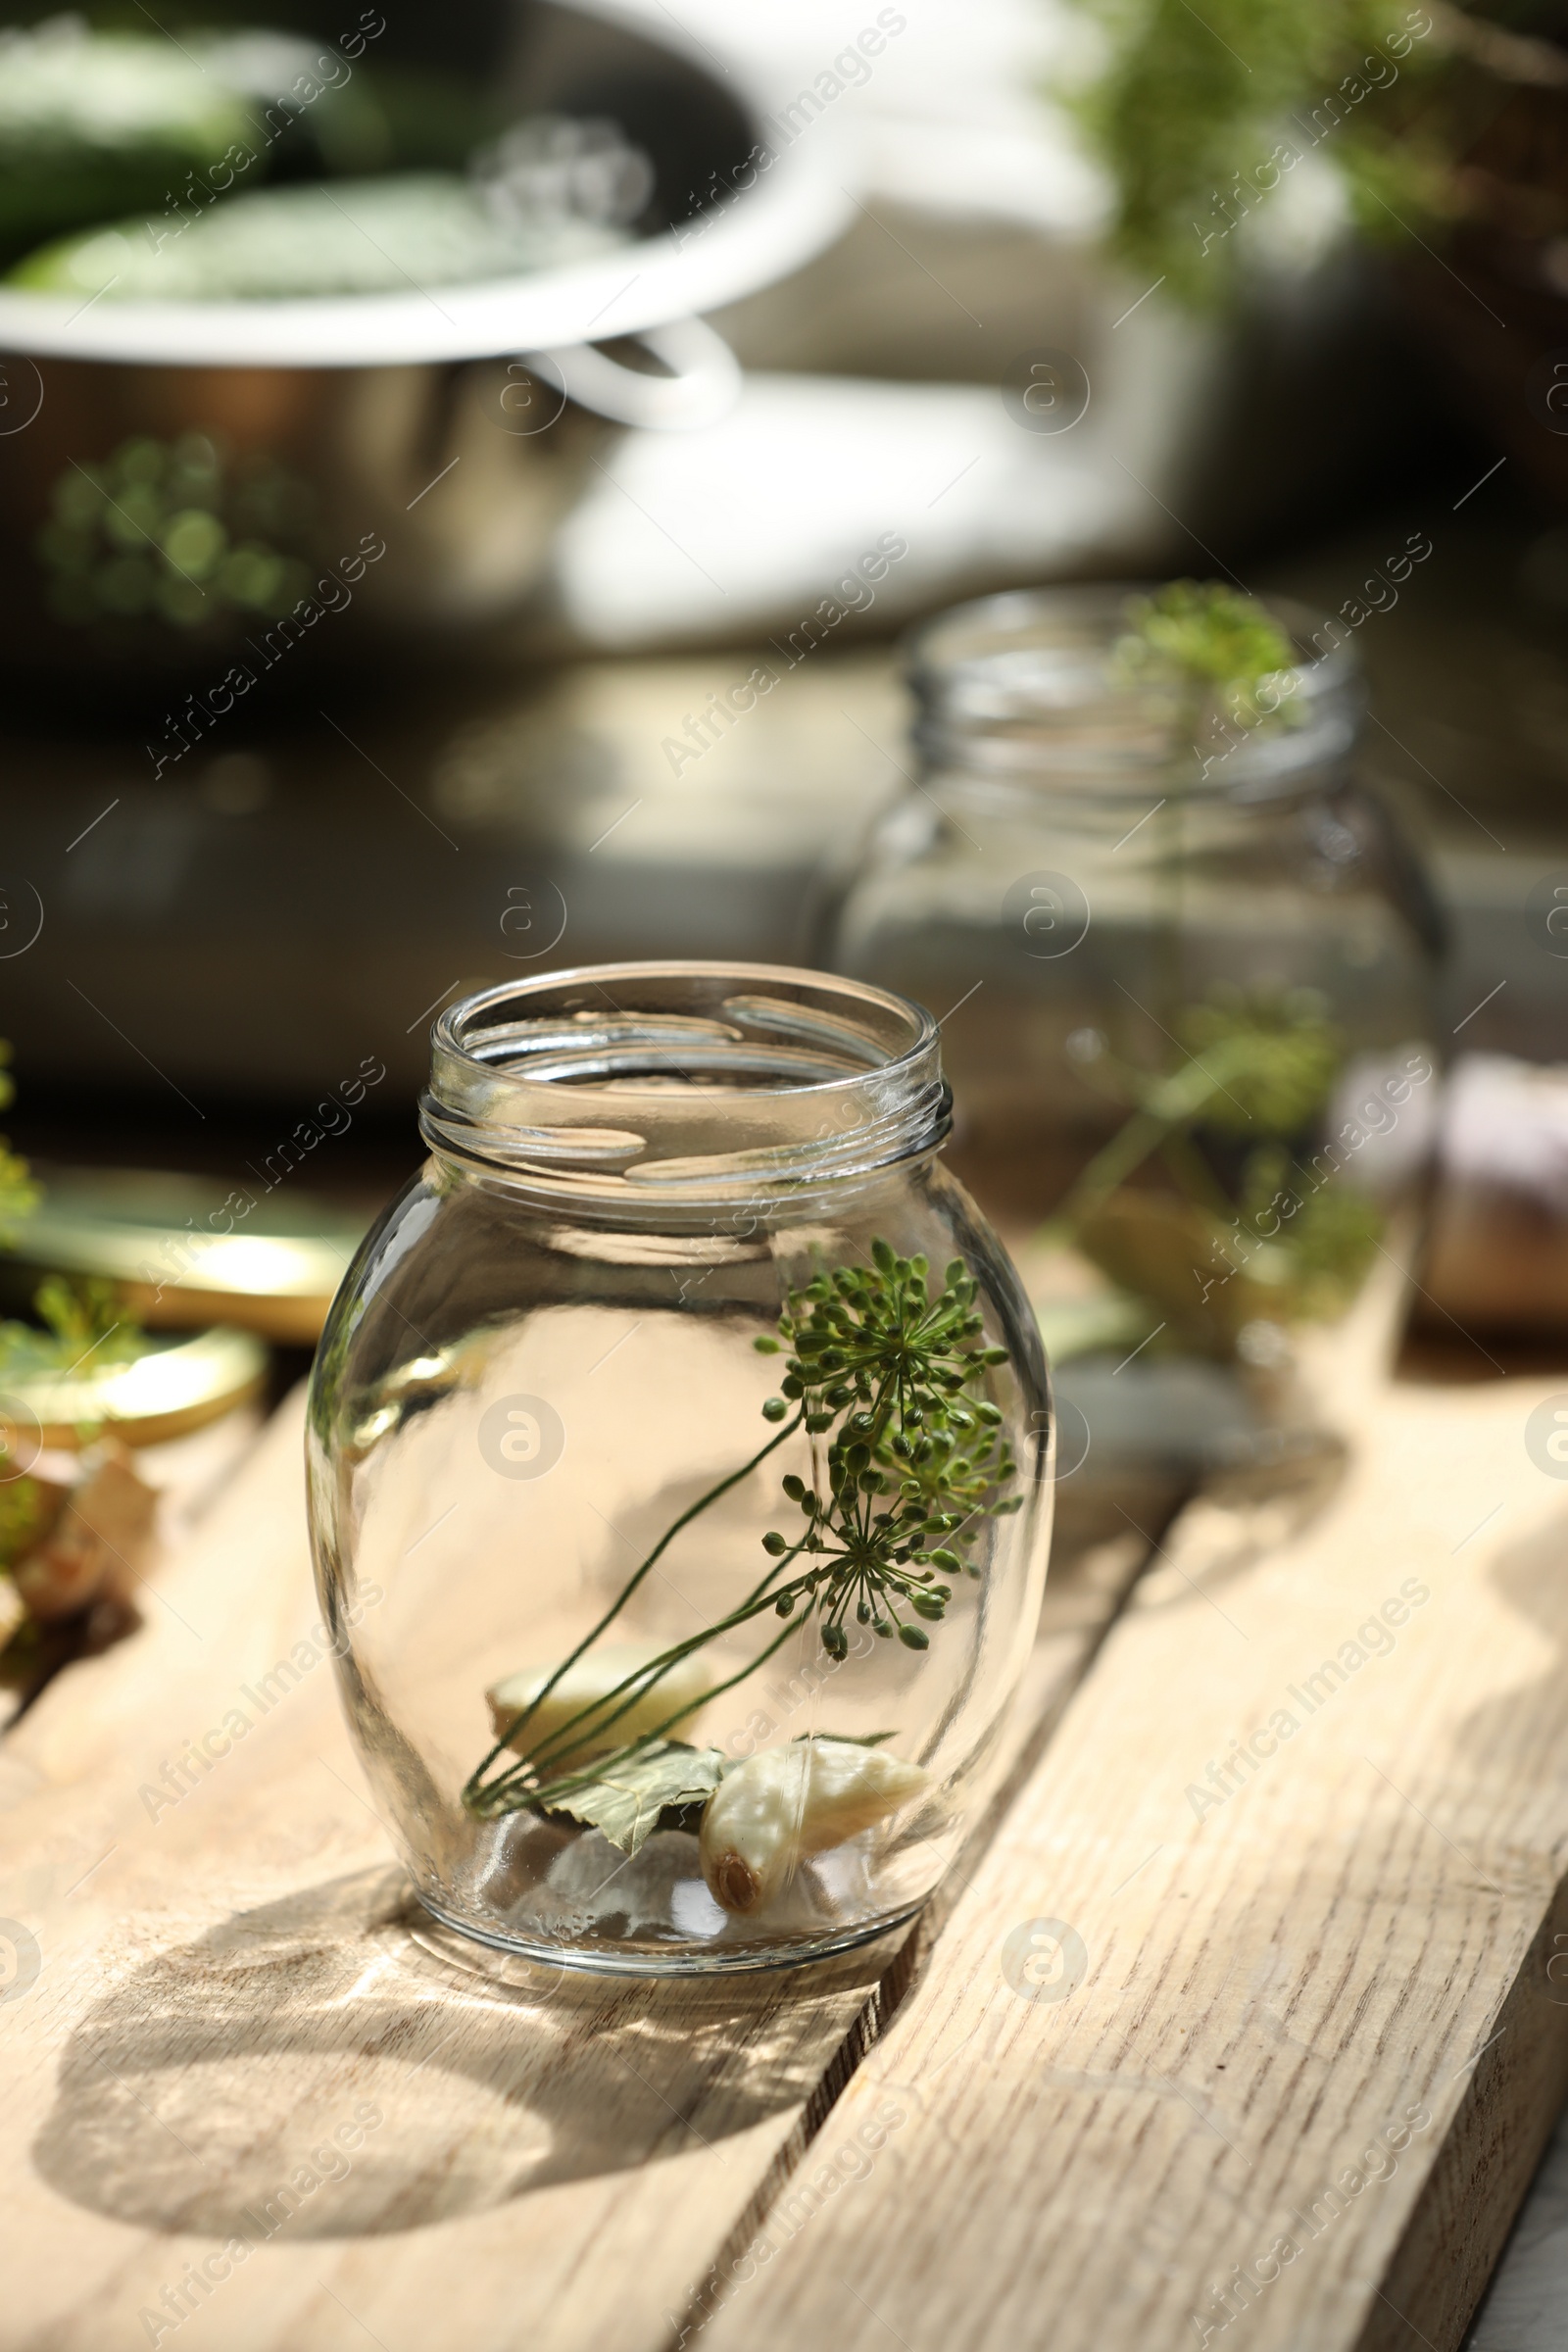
1222	771
1220	805
1034	691
645	1089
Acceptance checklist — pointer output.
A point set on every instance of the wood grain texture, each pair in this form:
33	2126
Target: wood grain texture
232	1986
1288	2057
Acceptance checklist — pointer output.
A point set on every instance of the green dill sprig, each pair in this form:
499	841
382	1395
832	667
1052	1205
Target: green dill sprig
1283	1057
916	1460
884	1366
1260	1065
1206	631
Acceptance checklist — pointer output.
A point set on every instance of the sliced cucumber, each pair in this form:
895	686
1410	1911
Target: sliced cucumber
94	125
406	233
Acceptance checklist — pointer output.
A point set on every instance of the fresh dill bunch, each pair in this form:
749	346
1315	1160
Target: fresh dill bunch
915	1458
1258	1070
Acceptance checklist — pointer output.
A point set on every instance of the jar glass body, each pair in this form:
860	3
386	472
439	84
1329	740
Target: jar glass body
537	1422
1097	896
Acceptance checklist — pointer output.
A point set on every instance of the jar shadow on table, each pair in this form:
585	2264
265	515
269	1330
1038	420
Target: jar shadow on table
316	2069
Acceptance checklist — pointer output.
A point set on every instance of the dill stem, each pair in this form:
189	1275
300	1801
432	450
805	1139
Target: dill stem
627	1589
644	1678
549	1792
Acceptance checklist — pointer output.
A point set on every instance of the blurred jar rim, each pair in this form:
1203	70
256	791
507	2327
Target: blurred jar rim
653	1091
1034	687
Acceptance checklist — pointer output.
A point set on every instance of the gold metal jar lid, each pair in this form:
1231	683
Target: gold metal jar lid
190	1251
175	1385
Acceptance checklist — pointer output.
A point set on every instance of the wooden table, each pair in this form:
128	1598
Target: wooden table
1245	2017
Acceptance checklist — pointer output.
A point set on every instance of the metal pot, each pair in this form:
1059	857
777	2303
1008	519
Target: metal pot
419	449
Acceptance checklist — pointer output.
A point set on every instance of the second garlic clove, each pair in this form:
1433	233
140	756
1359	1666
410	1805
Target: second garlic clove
776	1810
678	1693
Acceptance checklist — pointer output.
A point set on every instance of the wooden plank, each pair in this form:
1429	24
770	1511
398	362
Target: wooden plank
231	1981
1292	2049
1523	2307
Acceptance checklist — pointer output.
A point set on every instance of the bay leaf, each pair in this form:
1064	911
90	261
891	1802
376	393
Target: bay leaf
626	1798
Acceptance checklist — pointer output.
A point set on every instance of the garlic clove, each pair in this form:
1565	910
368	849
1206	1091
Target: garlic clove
774	1810
678	1691
100	1538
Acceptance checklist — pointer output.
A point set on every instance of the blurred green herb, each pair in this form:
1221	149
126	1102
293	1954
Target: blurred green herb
1211	1254
180	530
1206	633
23	1516
1201	116
1224	653
77	1319
1279	1055
18	1195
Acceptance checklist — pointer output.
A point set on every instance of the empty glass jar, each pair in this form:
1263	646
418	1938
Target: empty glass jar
1183	965
679	1453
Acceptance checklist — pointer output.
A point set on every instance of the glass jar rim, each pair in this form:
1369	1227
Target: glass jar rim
989	691
674	1086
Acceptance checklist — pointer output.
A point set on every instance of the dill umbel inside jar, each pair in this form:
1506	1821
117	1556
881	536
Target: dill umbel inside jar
882	1363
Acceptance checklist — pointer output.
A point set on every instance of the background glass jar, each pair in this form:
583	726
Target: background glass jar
680	1635
1108	883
